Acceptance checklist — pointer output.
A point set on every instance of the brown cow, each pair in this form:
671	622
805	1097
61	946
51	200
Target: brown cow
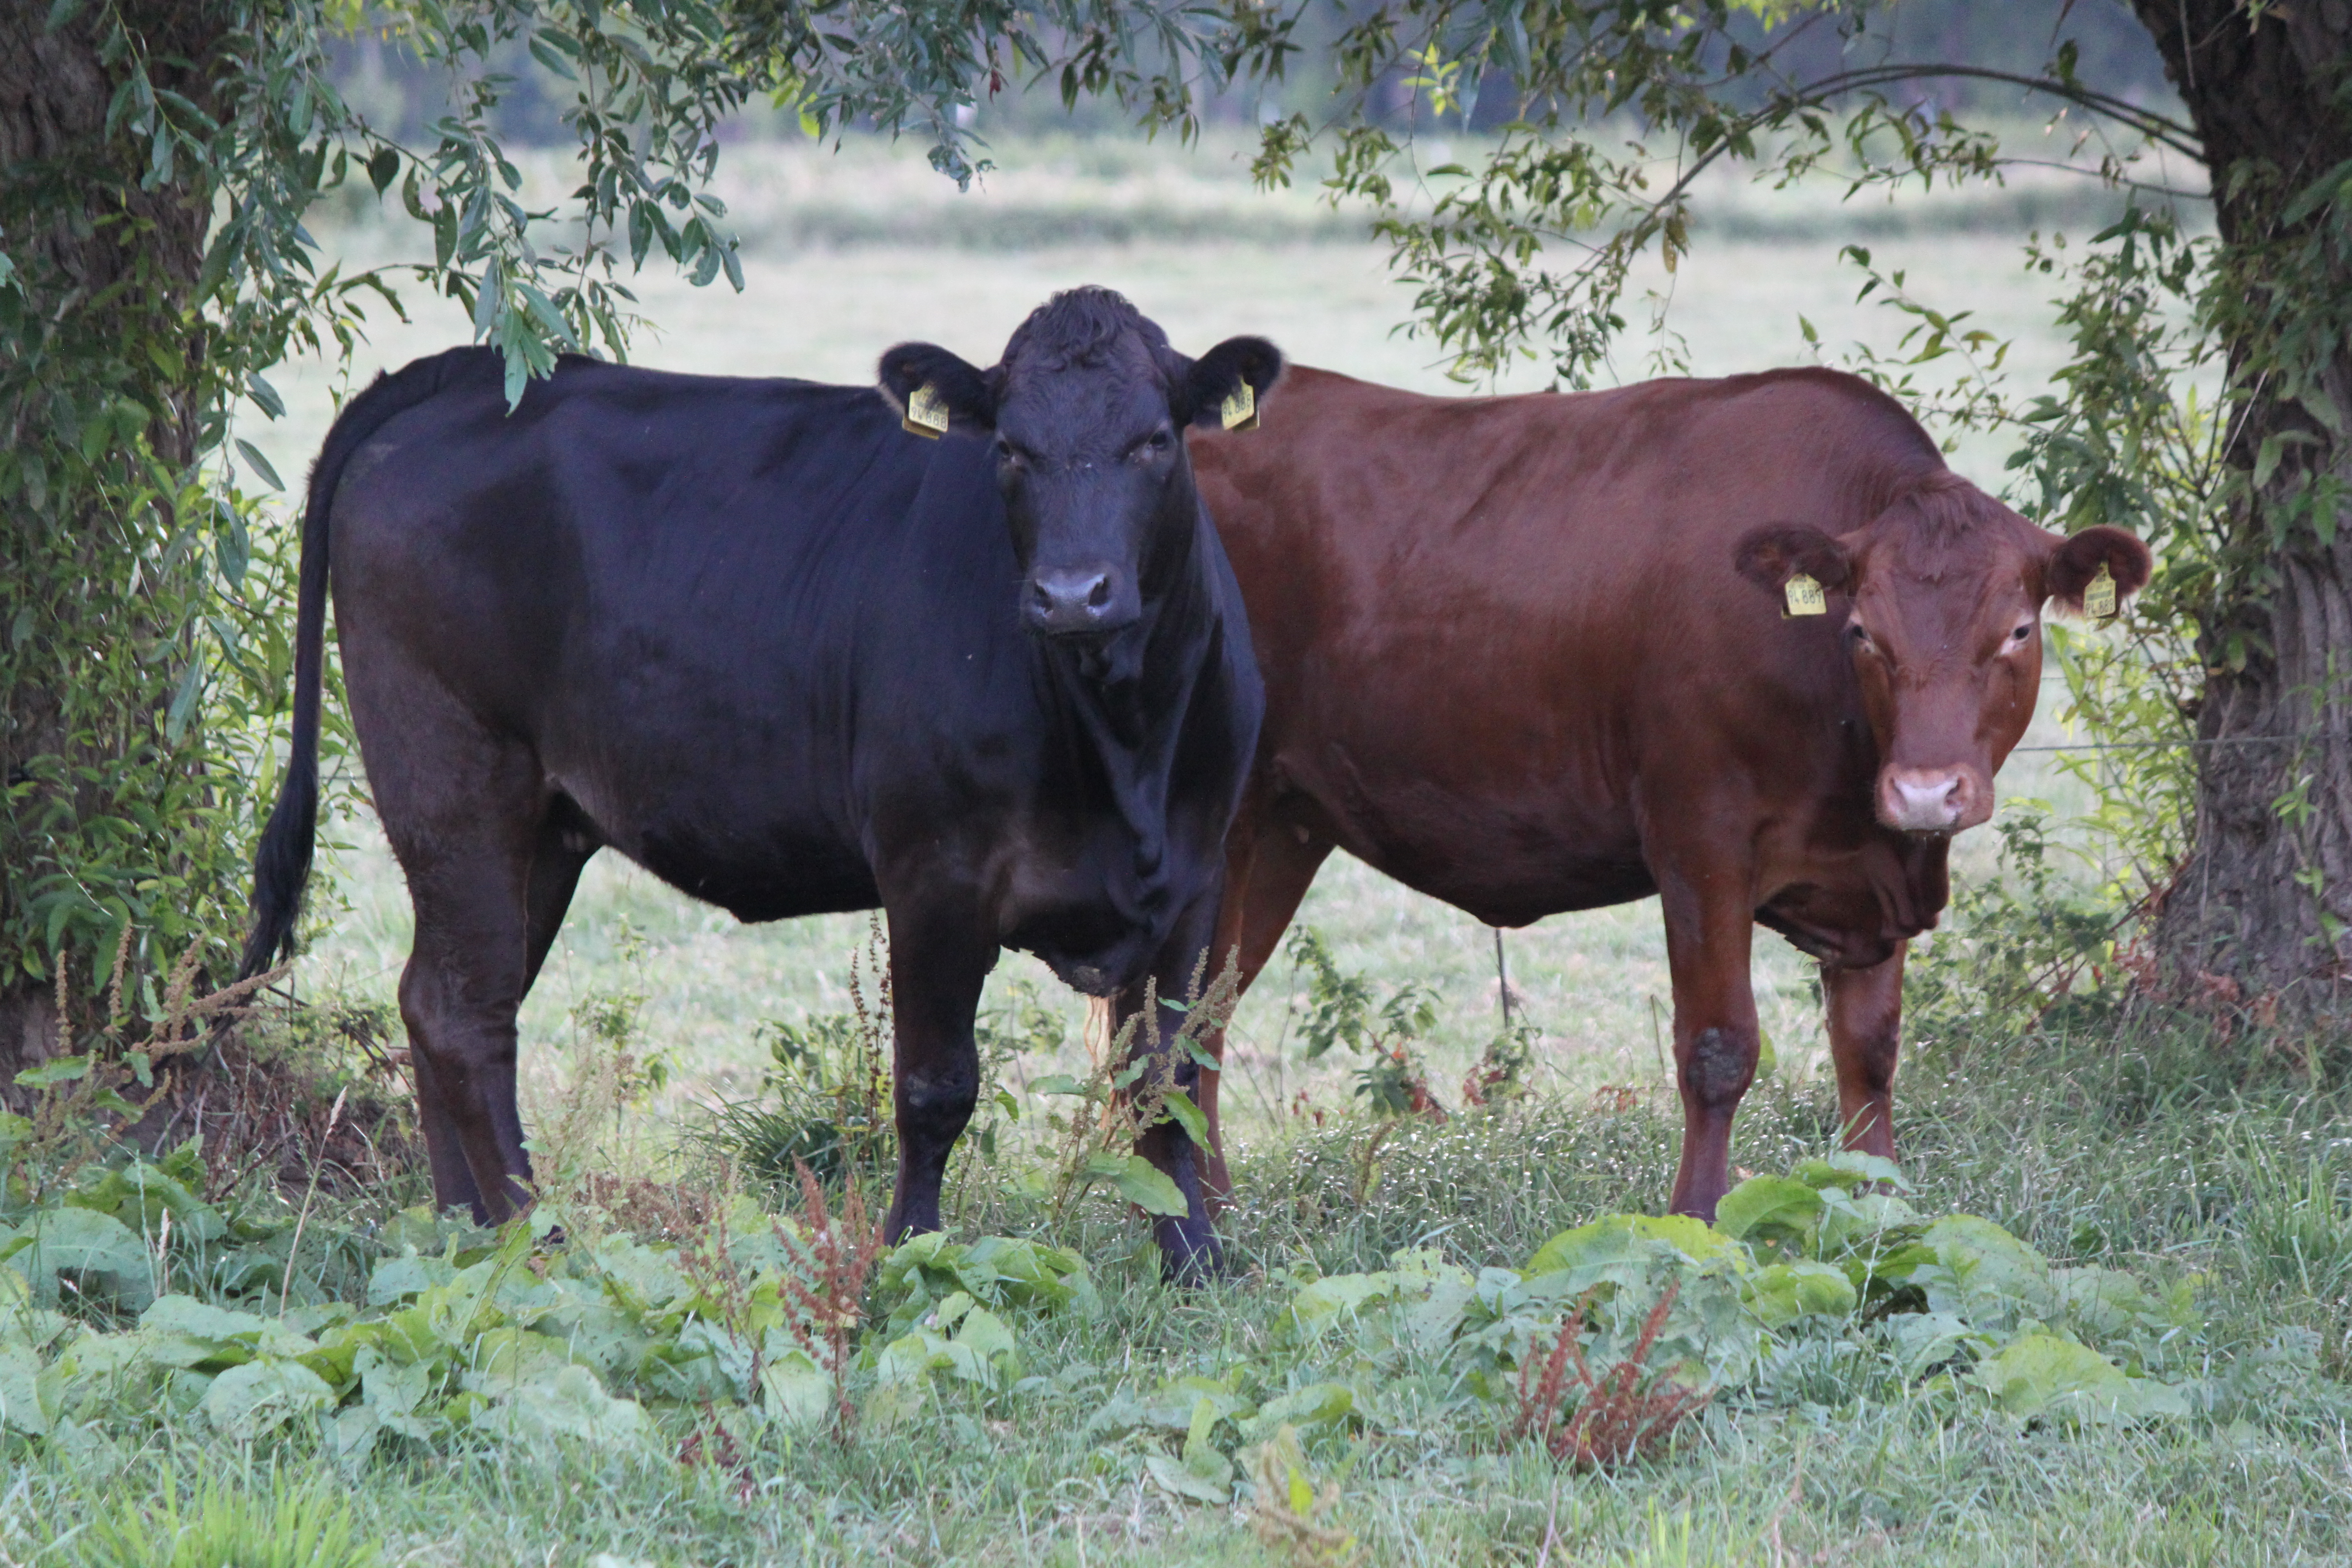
1530	654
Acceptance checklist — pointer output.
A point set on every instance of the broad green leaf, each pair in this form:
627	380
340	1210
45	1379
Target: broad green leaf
795	1390
1141	1183
1172	1477
21	1406
1781	1293
103	1257
1617	1237
1988	1275
1850	1169
1768	1208
2042	1374
399	1278
1336	1295
1317	1405
246	1401
567	1402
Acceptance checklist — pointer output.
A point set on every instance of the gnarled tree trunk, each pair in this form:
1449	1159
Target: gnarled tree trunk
2262	916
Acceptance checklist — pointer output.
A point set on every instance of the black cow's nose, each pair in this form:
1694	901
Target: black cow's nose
1075	600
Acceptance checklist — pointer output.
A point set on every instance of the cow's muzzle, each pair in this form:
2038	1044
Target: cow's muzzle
1075	601
1934	800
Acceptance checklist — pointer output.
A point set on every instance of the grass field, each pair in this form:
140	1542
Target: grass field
2212	1172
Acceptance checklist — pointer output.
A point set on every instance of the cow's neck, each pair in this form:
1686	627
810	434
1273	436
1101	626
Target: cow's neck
1127	699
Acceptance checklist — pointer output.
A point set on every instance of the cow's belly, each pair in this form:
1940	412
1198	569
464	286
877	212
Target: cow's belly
780	877
1507	847
741	837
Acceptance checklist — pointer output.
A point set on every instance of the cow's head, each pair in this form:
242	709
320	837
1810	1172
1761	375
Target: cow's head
1939	602
1087	410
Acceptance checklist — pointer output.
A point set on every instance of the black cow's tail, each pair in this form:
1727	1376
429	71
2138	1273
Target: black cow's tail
281	862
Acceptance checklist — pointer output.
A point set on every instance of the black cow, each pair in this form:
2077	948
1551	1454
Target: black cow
791	658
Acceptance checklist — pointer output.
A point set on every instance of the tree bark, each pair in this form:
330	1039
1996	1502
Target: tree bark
115	260
2260	916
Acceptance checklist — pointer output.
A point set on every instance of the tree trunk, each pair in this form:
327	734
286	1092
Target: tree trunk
2261	917
99	261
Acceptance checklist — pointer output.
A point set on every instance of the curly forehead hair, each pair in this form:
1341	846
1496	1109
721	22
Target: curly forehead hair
1082	327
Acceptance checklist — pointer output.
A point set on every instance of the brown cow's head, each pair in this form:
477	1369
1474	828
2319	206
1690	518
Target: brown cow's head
1941	596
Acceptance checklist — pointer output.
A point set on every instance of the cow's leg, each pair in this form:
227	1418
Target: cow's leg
558	856
1709	928
1865	1008
1188	1244
466	977
464	809
938	964
564	849
1269	866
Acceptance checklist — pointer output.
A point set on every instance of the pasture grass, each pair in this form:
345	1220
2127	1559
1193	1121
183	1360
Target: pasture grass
2161	1149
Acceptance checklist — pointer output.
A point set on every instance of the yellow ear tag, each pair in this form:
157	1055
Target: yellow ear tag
1805	596
2099	598
926	414
1240	411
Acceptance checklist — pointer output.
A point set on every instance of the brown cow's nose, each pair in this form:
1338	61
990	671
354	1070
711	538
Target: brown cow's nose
1933	800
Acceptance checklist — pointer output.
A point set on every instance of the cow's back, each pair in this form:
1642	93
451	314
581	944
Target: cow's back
1495	631
668	586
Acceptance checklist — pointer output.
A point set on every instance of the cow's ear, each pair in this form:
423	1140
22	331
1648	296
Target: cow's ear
1770	556
1210	381
2076	560
968	394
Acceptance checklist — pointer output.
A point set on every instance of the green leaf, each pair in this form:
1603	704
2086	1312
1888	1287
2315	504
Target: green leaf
1613	1239
1056	1083
1782	1292
106	1259
252	455
568	1402
2042	1374
58	1070
795	1390
1989	1275
183	701
1317	1405
553	61
22	1408
1172	1477
265	396
1145	1185
1768	1208
1188	1116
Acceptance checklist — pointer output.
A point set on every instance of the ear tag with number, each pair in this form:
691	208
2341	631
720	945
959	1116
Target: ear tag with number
926	414
1239	411
1804	597
2099	598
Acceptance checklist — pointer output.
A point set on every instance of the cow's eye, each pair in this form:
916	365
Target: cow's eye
1153	445
2024	629
1856	636
1005	452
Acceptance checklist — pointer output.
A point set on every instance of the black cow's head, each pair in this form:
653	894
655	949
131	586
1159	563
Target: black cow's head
1940	601
1087	410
